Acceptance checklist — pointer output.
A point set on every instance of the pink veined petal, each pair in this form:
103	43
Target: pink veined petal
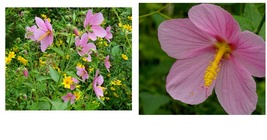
99	31
250	52
87	19
186	79
48	25
85	75
100	80
180	39
79	71
96	19
38	33
46	42
108	29
235	88
98	92
40	23
84	39
91	46
215	21
77	41
89	58
85	49
92	36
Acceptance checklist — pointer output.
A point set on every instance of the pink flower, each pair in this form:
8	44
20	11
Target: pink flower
30	32
25	72
97	82
92	23
107	63
68	97
74	83
211	51
82	73
44	33
84	48
109	34
75	31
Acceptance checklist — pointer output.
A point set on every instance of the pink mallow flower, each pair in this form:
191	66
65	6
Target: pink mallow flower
84	48
30	32
212	52
82	73
74	83
92	24
68	97
44	33
97	82
107	63
109	34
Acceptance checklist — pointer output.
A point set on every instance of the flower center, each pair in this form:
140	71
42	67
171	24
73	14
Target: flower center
223	50
44	35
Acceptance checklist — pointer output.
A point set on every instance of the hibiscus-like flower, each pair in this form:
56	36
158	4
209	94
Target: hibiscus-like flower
211	51
68	97
30	32
44	33
97	82
84	48
82	73
109	34
107	63
92	24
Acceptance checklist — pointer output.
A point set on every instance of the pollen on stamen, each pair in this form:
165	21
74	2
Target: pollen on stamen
43	36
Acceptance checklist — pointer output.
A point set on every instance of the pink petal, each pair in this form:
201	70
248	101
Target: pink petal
40	23
85	75
46	42
92	36
97	19
91	46
179	38
38	33
215	21
99	31
250	52
48	25
79	71
236	89
84	39
77	41
186	79
100	80
108	29
98	92
87	19
89	58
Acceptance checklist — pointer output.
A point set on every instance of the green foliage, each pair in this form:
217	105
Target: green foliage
154	64
44	88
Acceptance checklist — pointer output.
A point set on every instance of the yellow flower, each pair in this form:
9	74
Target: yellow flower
80	65
109	75
67	57
43	16
129	17
112	88
22	60
41	62
116	82
8	60
120	25
67	81
105	43
127	27
125	57
77	95
11	55
84	59
91	70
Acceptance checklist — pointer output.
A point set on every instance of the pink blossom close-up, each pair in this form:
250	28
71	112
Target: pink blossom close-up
109	34
68	97
92	24
84	48
30	32
97	82
107	63
75	82
82	73
213	53
44	33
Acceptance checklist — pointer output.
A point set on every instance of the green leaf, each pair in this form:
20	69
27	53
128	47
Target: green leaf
54	74
72	74
58	104
42	78
244	23
44	106
116	50
252	13
29	85
58	51
262	31
152	102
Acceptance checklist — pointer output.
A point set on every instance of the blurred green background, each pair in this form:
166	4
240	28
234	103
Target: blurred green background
154	63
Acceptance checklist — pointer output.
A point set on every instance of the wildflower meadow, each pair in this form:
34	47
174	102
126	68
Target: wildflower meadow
210	58
68	59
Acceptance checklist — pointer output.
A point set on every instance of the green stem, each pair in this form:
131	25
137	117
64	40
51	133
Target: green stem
157	12
261	24
130	45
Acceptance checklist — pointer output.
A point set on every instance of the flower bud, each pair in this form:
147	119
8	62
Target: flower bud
25	72
75	31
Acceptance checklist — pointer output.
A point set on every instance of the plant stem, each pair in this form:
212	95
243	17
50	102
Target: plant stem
157	12
261	24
